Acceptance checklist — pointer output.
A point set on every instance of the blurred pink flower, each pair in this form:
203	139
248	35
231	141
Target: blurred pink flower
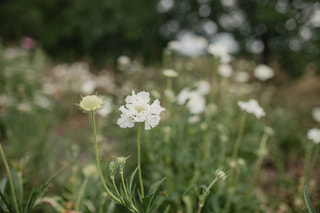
28	43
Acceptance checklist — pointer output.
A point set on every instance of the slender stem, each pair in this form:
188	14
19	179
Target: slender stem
133	208
98	161
139	160
262	146
14	197
239	137
307	162
124	185
80	194
115	186
205	194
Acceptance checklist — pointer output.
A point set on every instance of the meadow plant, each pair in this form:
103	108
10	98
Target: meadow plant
136	110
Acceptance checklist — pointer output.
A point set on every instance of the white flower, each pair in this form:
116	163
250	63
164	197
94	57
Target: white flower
253	107
170	73
203	87
314	135
195	101
88	86
225	70
123	60
241	77
263	72
138	109
316	114
90	103
189	44
106	108
219	50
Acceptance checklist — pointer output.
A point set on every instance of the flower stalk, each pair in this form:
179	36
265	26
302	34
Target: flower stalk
98	160
139	160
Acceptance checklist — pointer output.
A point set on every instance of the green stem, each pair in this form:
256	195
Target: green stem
262	146
307	162
239	137
124	185
80	194
205	195
139	160
115	186
98	161
14	197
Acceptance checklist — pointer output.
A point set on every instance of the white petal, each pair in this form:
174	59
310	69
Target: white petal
125	121
143	97
155	107
151	121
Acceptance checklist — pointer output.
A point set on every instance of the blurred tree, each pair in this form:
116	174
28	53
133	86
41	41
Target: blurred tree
282	30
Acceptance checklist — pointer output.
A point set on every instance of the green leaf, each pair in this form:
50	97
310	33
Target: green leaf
308	201
132	177
147	200
6	203
167	209
36	193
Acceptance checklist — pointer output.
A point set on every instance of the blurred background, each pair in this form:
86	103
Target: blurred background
286	31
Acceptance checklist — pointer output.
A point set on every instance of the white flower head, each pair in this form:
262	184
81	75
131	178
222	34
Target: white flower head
219	50
263	72
314	135
203	87
241	77
90	103
316	114
138	109
195	102
253	107
225	70
170	73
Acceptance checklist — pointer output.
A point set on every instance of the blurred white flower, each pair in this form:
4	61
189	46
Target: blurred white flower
241	77
314	135
189	44
138	109
194	119
220	51
263	72
169	94
196	103
24	107
123	60
43	101
194	98
170	73
316	114
203	87
106	107
225	70
90	171
253	107
88	86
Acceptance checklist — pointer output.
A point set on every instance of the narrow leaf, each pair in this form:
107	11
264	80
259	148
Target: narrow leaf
308	201
36	193
6	203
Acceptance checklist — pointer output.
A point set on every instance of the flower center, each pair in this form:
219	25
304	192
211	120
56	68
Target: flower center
140	108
